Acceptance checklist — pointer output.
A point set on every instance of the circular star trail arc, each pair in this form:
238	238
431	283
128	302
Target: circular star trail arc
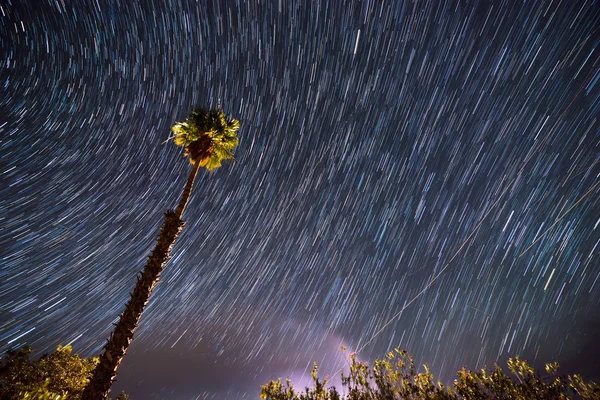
375	136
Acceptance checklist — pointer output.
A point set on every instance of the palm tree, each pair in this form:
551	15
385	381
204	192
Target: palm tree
208	137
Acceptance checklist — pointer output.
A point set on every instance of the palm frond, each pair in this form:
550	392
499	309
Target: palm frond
209	136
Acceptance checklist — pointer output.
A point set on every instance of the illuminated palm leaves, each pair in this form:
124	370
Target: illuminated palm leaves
208	137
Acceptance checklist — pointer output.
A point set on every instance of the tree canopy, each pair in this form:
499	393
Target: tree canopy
63	376
208	136
395	378
57	376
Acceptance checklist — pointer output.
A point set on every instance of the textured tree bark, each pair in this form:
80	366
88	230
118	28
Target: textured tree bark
117	344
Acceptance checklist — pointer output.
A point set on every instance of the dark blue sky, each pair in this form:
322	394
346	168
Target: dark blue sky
378	140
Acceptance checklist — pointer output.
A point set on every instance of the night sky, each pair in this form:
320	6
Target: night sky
383	144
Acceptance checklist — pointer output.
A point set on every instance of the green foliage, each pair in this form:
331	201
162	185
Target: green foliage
275	390
395	378
207	136
58	376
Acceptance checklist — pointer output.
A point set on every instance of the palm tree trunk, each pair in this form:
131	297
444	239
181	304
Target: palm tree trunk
117	344
185	196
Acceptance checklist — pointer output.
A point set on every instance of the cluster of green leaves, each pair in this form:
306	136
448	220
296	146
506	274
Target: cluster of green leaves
57	376
275	390
213	123
395	378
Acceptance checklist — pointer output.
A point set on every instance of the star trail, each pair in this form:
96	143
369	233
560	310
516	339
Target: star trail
412	174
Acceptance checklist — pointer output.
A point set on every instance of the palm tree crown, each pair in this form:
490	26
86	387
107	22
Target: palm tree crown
208	137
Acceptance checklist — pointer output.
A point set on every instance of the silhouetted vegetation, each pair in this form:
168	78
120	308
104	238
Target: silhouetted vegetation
396	378
57	376
63	376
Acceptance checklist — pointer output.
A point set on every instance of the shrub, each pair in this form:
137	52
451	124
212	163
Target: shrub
395	378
